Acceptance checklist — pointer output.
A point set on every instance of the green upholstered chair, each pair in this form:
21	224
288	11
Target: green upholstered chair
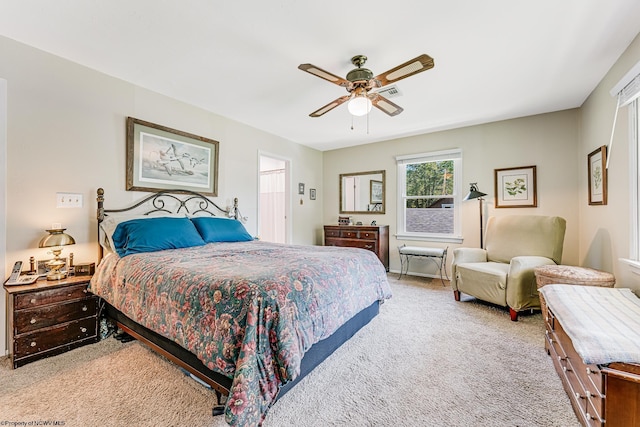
502	273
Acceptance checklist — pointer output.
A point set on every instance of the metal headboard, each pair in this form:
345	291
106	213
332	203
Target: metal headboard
178	201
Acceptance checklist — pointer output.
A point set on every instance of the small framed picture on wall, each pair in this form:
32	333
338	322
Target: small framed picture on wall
596	165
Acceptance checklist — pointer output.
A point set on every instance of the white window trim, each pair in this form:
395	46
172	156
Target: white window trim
634	187
456	156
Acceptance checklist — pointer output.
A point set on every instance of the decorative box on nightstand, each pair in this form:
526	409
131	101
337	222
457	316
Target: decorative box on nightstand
50	317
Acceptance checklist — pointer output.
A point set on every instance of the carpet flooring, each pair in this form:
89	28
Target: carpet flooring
426	360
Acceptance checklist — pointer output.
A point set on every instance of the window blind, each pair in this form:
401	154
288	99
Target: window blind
627	90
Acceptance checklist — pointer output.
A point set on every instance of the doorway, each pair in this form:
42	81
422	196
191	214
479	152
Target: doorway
273	206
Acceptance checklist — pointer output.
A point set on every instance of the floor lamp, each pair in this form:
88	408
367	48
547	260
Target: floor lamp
475	194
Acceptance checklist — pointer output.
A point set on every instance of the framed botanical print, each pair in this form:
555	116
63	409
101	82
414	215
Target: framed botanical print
597	170
516	187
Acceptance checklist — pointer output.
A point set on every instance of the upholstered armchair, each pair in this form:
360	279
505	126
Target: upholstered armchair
502	273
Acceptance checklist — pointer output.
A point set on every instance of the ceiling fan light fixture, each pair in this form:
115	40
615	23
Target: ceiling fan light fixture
359	105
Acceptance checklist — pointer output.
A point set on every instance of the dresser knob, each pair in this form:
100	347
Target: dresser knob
33	343
33	301
84	308
83	330
33	321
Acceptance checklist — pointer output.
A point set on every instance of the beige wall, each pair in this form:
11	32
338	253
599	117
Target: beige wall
604	230
548	141
66	133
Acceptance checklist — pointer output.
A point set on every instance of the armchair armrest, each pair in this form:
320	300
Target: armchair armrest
521	285
462	255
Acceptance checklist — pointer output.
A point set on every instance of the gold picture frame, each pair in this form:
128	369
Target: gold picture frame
597	176
164	159
516	187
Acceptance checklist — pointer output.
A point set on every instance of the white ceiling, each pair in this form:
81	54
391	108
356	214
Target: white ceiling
494	59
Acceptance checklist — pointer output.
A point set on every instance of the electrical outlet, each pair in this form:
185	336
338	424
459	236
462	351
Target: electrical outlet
68	200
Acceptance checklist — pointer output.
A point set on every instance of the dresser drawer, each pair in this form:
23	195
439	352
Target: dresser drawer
45	316
51	338
352	243
50	296
349	234
331	232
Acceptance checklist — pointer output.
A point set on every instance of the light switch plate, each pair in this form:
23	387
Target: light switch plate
68	200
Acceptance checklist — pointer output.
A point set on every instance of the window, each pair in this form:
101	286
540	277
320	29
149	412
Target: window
429	196
628	93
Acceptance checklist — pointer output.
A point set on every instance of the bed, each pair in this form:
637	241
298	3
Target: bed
247	318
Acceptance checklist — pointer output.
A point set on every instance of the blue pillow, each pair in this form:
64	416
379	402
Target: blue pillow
214	229
155	234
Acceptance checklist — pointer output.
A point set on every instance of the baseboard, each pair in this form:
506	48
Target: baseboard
411	273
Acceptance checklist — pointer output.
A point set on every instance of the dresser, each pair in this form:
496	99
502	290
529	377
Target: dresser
372	237
50	317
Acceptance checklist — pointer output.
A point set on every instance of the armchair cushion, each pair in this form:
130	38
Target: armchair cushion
493	276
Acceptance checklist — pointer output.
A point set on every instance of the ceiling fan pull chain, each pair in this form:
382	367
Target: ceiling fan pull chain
368	123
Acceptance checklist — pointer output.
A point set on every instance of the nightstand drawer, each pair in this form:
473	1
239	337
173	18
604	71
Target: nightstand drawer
45	316
54	337
50	296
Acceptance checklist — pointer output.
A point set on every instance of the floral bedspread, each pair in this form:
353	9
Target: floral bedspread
249	310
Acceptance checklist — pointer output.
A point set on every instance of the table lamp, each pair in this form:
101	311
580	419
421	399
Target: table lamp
55	240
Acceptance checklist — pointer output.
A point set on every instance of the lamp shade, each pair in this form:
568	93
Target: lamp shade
359	105
474	193
57	237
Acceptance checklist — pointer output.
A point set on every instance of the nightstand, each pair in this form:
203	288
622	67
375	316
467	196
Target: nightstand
50	317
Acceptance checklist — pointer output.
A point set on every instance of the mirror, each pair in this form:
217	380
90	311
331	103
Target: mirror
362	192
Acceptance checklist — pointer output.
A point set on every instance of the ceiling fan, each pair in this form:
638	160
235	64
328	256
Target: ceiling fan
360	82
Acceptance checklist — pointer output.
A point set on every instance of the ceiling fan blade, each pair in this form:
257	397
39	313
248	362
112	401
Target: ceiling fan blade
319	72
384	105
330	106
409	68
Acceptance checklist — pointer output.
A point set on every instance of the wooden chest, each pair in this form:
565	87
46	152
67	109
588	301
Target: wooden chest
599	394
371	237
49	318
